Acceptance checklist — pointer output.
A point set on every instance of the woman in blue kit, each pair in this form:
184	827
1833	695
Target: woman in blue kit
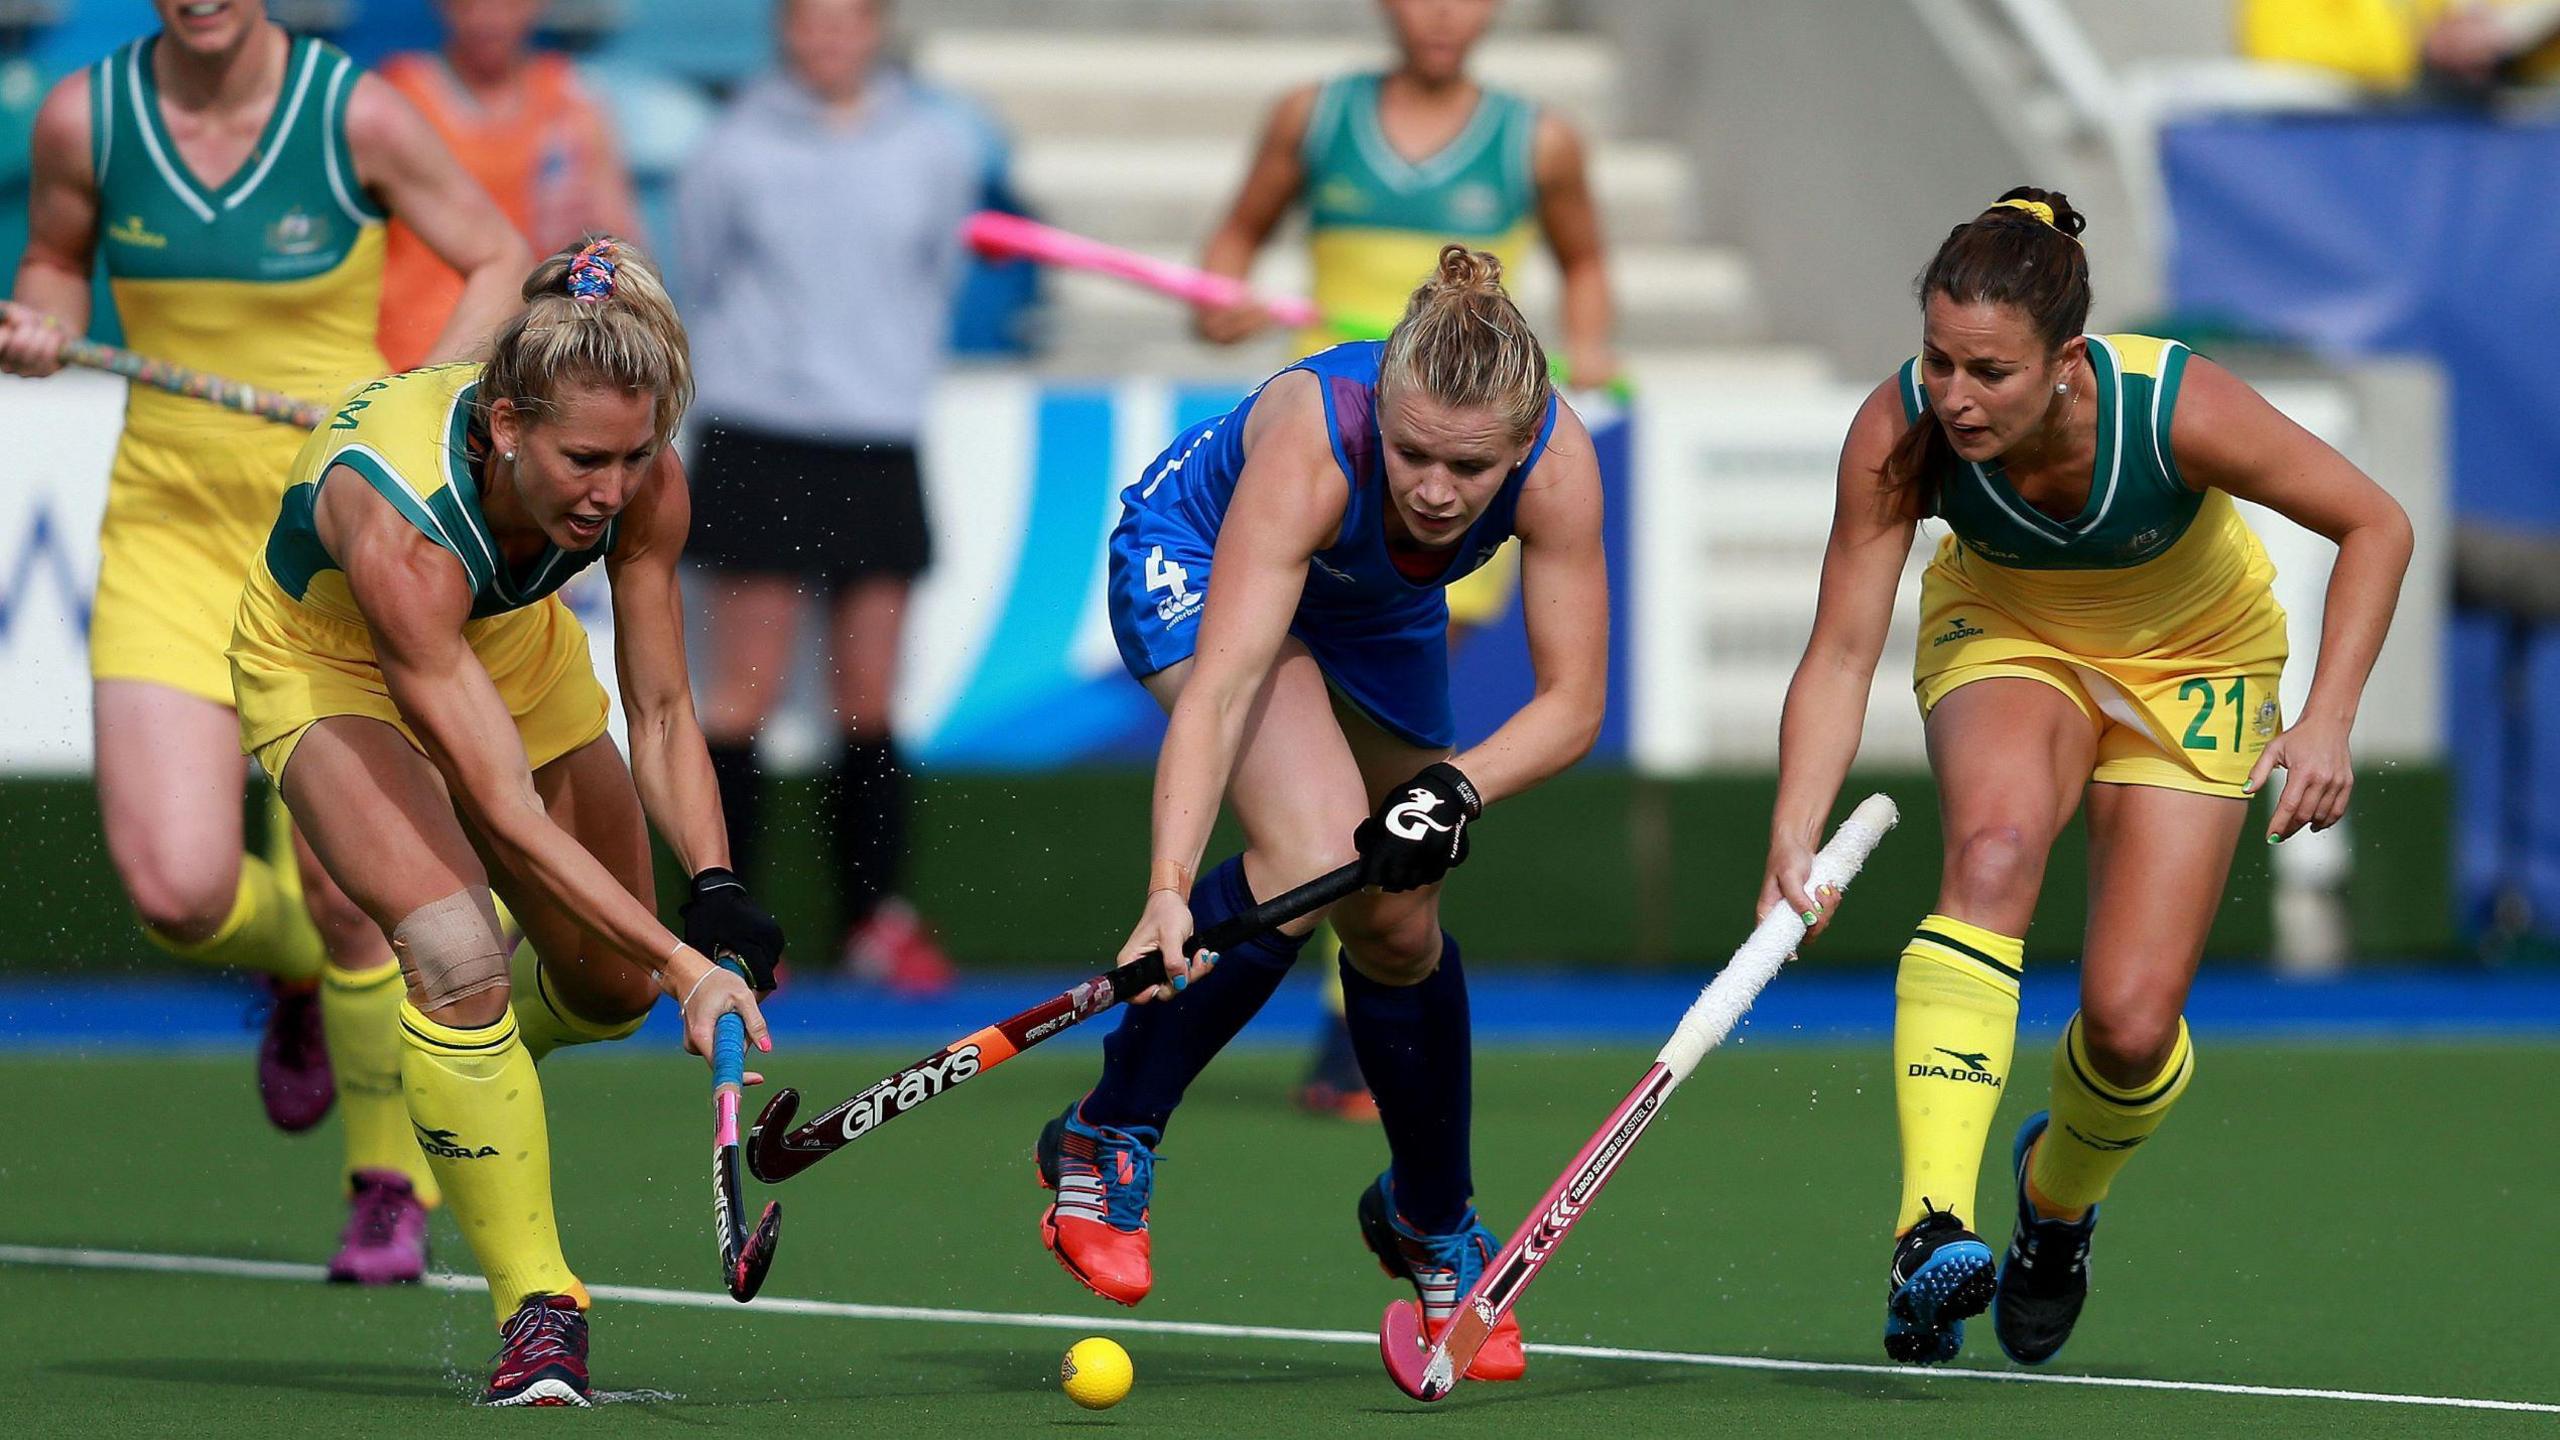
1276	584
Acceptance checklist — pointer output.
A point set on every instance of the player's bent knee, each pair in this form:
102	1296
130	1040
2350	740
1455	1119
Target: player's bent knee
1993	865
182	902
2129	1042
455	957
607	992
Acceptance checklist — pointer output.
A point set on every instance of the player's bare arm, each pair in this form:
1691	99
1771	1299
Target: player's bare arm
1270	187
669	763
1564	584
2227	436
51	296
1570	219
1826	706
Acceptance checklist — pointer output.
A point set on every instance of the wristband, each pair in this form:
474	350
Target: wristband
1170	875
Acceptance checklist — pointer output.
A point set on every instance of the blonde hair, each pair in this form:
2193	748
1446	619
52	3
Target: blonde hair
1463	343
595	313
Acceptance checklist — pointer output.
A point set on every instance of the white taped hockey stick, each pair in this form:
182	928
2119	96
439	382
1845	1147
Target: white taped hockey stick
1428	1371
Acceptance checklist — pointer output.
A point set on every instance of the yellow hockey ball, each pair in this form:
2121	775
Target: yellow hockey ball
1096	1373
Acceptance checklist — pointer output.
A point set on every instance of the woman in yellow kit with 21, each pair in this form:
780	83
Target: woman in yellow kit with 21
2100	624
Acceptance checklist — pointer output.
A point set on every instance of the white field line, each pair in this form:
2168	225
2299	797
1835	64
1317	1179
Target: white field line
77	1259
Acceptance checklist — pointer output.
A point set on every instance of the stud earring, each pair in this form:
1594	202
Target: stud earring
507	455
2062	389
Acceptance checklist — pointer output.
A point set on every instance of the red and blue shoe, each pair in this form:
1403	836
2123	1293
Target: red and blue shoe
1941	1276
385	1242
1442	1270
294	1082
1104	1179
542	1355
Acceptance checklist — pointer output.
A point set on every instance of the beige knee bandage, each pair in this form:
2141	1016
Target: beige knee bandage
451	948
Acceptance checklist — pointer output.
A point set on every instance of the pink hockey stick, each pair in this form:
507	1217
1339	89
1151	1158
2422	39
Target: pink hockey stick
1011	237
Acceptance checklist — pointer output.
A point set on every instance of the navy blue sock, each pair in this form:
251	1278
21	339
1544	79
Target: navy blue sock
1415	1050
1160	1047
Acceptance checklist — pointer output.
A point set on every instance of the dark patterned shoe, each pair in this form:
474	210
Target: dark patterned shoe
1940	1277
294	1083
385	1242
2045	1278
542	1355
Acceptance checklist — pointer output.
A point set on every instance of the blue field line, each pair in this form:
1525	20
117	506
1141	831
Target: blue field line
1517	1008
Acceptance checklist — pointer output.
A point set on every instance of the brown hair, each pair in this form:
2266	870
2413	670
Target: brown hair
1463	343
2010	255
595	313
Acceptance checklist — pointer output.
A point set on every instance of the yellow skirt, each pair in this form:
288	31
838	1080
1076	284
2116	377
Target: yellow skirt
2190	711
293	668
183	524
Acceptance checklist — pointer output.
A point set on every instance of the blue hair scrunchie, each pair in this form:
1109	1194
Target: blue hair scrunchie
591	273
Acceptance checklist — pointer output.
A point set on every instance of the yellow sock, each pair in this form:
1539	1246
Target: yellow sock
542	1018
477	1105
2096	1125
360	1015
1955	1026
266	931
278	846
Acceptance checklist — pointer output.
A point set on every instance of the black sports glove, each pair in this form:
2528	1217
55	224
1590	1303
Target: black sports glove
719	917
1420	831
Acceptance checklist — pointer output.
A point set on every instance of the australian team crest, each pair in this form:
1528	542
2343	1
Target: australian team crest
296	233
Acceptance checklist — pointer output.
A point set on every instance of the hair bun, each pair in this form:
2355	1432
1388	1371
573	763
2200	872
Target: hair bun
1463	269
2051	207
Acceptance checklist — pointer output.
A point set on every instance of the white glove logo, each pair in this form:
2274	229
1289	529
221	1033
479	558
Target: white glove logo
1411	818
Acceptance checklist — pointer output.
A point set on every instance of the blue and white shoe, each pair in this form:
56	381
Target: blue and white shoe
2044	1279
1442	1270
1941	1276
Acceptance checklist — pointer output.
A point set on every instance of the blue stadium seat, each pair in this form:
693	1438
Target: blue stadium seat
715	41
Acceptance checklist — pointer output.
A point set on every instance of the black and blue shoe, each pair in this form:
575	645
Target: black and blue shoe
2044	1280
1941	1276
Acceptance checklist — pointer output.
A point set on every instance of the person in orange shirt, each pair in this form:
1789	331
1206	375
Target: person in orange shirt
526	129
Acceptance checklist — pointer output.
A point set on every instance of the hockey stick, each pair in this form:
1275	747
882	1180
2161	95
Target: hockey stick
744	1256
776	1154
194	384
1427	1371
999	236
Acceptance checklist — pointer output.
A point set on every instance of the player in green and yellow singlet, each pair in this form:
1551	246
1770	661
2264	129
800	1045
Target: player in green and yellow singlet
408	676
1390	167
234	181
2099	627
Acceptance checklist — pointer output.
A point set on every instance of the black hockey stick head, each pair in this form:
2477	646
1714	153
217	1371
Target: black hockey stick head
768	1158
743	1261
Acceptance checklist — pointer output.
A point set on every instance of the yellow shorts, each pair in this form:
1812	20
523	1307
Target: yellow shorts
292	668
2191	718
1480	598
183	523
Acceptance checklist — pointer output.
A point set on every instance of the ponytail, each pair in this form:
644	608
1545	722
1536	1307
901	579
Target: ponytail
595	313
1463	343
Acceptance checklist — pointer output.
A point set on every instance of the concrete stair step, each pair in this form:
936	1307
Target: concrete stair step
1056	85
1135	192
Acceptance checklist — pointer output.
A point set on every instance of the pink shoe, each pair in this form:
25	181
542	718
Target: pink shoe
893	948
385	1242
294	1082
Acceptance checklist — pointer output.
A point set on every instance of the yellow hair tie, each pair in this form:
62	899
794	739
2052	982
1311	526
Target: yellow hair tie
2038	209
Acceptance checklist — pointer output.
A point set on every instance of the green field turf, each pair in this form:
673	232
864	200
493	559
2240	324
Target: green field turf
2336	1217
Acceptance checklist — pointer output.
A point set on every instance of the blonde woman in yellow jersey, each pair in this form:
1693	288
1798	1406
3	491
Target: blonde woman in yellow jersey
411	680
2099	627
233	180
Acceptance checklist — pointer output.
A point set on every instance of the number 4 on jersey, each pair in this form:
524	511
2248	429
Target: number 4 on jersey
1180	600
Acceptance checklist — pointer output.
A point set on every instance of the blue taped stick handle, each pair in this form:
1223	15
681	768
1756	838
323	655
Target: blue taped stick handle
729	1045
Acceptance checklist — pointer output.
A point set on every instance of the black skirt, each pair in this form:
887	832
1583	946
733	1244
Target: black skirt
826	511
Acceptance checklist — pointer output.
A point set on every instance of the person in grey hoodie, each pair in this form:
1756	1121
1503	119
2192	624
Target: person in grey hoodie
818	236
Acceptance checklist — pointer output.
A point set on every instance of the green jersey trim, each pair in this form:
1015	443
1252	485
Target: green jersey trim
301	63
102	122
391	485
337	156
2164	410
